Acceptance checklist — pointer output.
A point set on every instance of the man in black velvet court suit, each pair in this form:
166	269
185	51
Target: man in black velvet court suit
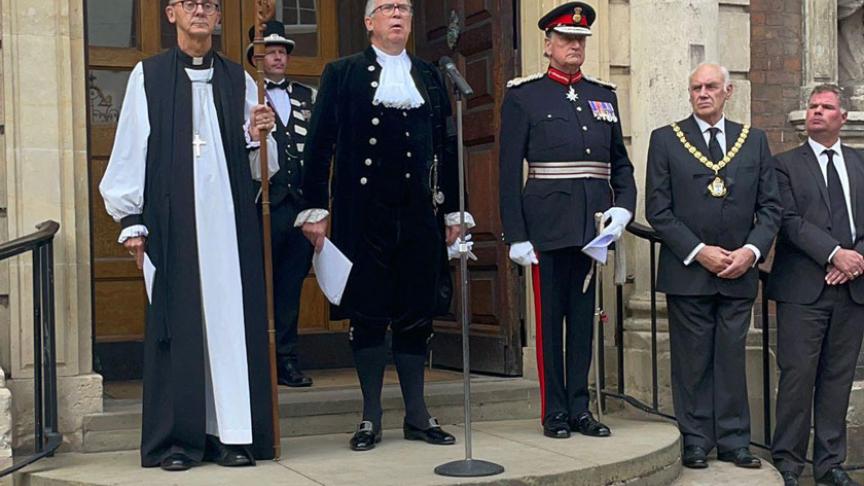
566	126
712	197
816	281
383	114
292	252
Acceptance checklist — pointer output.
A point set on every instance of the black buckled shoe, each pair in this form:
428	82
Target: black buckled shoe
227	455
586	424
365	438
432	435
291	376
694	457
176	462
790	478
556	426
741	457
837	477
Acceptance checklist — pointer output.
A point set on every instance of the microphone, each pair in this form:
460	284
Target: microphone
455	76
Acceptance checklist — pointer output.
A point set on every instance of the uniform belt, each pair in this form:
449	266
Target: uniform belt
582	169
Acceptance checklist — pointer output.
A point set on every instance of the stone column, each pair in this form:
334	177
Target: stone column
820	40
45	176
821	66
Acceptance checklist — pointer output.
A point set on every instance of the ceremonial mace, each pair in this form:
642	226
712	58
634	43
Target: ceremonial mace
266	11
468	467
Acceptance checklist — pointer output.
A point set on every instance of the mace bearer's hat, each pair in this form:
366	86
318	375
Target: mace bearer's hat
573	18
274	35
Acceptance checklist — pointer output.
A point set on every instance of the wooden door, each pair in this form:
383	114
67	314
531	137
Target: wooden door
485	54
120	33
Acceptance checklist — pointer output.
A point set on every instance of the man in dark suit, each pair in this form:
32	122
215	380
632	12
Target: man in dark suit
383	113
566	126
820	295
292	252
712	197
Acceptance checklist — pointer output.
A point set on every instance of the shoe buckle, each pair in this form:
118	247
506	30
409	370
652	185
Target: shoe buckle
433	422
365	426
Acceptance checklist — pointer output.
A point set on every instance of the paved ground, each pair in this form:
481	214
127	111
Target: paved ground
638	449
725	474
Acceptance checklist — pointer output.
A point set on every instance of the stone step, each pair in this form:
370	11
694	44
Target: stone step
639	453
317	411
725	474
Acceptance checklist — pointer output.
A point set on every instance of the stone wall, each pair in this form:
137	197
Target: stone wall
776	68
44	176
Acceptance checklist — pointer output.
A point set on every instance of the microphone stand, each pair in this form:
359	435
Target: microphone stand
468	467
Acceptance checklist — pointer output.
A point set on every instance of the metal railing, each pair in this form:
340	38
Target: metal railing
646	233
47	438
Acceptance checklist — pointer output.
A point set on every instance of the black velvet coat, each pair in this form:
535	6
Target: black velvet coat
346	124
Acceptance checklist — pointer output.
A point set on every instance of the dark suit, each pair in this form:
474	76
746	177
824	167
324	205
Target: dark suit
709	316
292	252
819	327
540	124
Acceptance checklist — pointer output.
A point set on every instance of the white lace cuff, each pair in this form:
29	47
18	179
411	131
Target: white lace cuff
134	231
452	219
311	216
251	144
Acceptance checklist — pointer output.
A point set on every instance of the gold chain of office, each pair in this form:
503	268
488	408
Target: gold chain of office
718	187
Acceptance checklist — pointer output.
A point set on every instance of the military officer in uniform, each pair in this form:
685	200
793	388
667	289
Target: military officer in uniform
566	126
382	113
292	252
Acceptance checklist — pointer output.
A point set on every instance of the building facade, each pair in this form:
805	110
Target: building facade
62	75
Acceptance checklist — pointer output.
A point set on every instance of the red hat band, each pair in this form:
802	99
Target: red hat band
574	20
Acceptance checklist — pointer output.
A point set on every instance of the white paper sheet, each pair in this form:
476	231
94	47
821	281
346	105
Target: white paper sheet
598	248
149	274
332	268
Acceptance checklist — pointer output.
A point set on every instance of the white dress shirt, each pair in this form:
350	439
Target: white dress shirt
705	128
840	166
281	102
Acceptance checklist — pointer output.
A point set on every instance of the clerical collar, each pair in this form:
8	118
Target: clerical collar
561	77
190	62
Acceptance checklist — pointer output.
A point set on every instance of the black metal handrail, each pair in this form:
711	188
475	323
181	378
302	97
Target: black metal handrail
647	233
47	438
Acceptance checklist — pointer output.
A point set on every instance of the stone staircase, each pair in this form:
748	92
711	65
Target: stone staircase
641	452
319	411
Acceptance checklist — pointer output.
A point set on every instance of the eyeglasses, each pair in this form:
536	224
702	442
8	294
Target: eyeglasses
190	6
389	9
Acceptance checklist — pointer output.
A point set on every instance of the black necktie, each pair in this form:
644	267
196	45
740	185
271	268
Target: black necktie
840	228
283	85
714	149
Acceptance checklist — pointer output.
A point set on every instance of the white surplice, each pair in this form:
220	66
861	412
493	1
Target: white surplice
227	398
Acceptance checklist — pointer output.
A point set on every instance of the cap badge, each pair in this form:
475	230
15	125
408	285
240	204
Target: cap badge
577	15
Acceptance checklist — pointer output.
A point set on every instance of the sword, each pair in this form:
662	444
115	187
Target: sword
599	317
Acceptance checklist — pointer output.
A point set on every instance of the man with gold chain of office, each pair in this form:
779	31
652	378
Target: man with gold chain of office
566	126
712	197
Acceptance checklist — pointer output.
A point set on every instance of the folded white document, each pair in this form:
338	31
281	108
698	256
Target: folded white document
598	248
149	275
332	268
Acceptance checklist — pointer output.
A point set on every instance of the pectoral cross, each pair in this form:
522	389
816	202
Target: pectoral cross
198	142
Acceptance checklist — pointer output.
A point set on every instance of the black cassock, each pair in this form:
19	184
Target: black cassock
174	385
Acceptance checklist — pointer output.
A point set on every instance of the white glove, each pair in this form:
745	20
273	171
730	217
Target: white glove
522	253
616	220
453	251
